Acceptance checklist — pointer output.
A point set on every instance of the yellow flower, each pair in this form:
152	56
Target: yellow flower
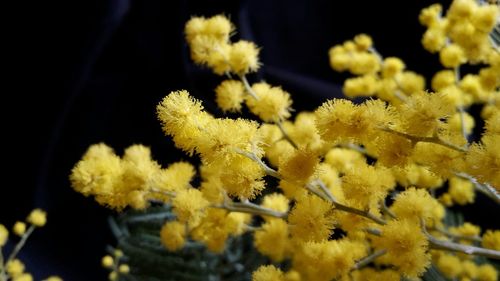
392	66
364	63
406	247
276	201
53	278
430	15
310	219
244	57
449	265
485	17
491	240
415	204
124	269
461	191
107	261
271	239
188	205
344	159
268	273
434	39
229	95
23	277
4	235
483	160
443	79
452	56
214	230
363	42
19	228
173	235
14	268
299	166
272	103
462	9
37	217
487	272
327	260
361	86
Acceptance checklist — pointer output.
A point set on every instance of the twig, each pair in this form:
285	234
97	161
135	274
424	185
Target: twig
461	111
458	236
247	207
248	88
342	207
286	136
21	243
386	209
368	259
486	189
269	171
433	139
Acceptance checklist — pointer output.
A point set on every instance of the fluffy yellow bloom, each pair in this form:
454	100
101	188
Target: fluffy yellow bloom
340	60
37	217
368	274
415	204
4	235
418	176
237	222
14	268
452	56
224	137
292	190
268	273
229	95
182	118
492	126
344	159
364	63
272	103
487	272
277	151
483	160
461	9
362	86
491	240
469	269
97	172
455	123
430	15
485	17
217	26
471	84
214	230
392	66
19	228
434	39
124	268
390	150
173	235
440	160
363	42
299	166
449	265
188	205
443	79
271	239
241	177
489	78
461	191
341	120
175	177
244	57
23	277
406	247
304	133
422	113
139	168
365	185
327	260
107	261
466	229
276	201
310	219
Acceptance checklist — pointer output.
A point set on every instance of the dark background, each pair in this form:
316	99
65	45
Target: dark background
97	69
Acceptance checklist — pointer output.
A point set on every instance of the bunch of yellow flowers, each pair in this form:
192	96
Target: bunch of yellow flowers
13	268
356	183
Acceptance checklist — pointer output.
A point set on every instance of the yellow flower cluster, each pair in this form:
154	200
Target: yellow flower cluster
13	268
115	265
336	168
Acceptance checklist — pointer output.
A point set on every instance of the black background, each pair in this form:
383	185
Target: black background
93	71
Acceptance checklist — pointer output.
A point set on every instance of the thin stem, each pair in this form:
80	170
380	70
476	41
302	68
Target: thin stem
438	244
486	189
20	244
269	171
286	136
345	208
456	247
3	275
373	231
458	236
386	209
368	259
247	207
248	88
433	139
